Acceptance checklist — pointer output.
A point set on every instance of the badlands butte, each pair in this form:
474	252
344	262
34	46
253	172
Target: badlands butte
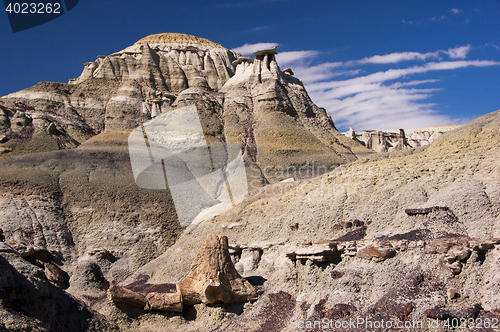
408	237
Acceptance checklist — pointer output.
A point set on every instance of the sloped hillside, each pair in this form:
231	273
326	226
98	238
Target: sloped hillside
410	236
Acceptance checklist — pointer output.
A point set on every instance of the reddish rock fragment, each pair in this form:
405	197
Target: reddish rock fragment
120	294
377	251
165	301
337	227
346	224
403	312
54	273
339	310
358	223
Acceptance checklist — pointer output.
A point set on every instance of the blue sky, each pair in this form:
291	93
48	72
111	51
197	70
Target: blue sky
371	64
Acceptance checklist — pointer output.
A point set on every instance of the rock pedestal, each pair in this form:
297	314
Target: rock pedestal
213	277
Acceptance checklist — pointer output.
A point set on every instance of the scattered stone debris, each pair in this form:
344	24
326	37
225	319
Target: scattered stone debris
403	312
456	250
337	274
26	250
54	274
318	252
495	313
38	256
417	279
305	306
346	224
357	234
412	212
443	314
451	293
376	250
358	223
339	310
212	279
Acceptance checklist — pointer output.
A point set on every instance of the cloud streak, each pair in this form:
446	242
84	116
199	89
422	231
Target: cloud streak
285	58
248	49
384	100
355	94
459	52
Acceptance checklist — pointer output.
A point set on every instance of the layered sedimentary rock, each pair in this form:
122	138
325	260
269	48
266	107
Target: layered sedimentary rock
397	140
118	91
251	103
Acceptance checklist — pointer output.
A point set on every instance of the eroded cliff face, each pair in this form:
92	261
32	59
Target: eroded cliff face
118	91
253	104
397	140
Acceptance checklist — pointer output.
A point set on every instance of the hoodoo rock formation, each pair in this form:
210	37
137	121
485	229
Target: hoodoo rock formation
267	112
397	140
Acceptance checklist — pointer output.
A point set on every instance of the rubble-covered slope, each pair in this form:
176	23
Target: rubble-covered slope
410	236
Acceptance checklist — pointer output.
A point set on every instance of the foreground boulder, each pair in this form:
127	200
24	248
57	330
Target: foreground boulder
212	279
30	302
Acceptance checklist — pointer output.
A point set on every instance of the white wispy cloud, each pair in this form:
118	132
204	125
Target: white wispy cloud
248	49
459	52
440	18
455	11
454	53
384	99
286	58
375	101
393	74
412	83
396	57
319	72
411	22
